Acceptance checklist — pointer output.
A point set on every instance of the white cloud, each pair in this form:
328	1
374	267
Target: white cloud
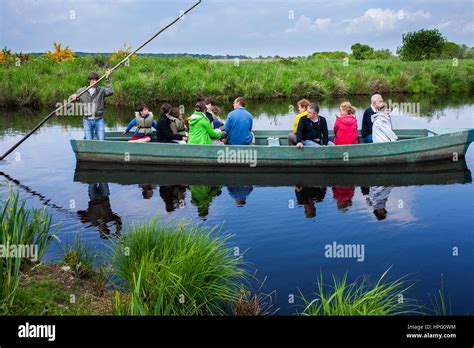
384	19
304	24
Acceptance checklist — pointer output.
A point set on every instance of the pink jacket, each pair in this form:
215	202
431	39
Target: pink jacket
345	130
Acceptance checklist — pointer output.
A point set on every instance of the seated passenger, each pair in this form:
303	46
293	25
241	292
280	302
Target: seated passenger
216	122
239	125
144	122
303	109
200	129
345	128
163	130
312	130
366	131
382	125
177	122
209	102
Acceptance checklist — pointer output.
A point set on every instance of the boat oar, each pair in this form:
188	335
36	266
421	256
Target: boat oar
89	87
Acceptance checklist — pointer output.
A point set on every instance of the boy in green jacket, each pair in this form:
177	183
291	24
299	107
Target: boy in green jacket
200	129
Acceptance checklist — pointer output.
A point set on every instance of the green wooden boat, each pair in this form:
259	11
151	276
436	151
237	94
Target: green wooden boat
414	146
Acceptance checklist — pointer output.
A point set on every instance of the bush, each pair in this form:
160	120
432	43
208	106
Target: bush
176	271
359	298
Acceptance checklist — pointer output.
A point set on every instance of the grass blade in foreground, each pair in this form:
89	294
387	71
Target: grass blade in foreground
359	298
182	270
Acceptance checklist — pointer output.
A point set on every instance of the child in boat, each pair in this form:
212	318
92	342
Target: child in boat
144	122
216	122
177	122
382	125
345	128
164	134
200	129
303	109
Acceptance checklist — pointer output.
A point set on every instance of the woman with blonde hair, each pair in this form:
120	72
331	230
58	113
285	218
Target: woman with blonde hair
345	128
303	112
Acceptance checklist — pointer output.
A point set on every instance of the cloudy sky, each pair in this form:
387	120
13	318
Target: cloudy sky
259	27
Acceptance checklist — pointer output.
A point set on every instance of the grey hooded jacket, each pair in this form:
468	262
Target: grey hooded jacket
93	105
382	129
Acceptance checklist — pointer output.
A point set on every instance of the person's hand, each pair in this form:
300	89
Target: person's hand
299	145
317	140
185	138
73	97
108	73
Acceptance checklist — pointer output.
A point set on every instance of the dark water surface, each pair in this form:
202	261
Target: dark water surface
282	228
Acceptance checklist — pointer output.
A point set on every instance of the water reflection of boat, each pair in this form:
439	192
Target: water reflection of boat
401	175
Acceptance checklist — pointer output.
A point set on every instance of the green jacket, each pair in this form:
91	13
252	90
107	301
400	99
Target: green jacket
200	129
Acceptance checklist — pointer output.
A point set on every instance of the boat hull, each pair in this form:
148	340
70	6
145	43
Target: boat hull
436	145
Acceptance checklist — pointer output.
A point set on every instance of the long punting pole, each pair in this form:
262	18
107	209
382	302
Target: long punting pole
85	90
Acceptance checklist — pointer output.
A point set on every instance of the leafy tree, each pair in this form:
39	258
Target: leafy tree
452	50
381	54
422	44
360	51
468	52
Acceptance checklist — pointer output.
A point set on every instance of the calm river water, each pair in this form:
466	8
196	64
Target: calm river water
283	229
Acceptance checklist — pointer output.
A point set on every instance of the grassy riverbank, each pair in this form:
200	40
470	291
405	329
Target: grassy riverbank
42	82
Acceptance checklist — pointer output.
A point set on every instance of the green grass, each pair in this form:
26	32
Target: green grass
47	297
153	80
80	259
440	305
384	297
20	226
176	270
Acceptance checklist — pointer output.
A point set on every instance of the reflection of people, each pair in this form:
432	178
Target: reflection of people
99	213
309	196
173	196
378	197
202	196
147	190
343	195
240	194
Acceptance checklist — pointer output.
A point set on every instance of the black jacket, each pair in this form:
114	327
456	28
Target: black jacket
163	132
309	130
209	116
310	194
367	122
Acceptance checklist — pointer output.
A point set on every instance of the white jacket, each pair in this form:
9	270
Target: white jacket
382	129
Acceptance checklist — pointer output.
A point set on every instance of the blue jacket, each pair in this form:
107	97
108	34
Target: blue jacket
239	127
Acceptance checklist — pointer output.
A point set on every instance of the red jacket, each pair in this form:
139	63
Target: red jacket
345	130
